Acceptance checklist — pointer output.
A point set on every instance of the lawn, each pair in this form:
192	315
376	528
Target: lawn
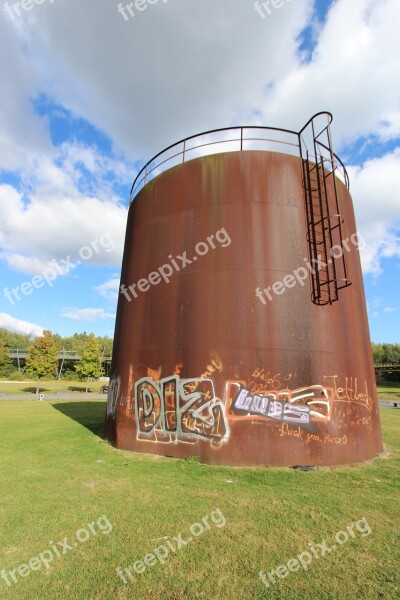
49	386
389	391
59	477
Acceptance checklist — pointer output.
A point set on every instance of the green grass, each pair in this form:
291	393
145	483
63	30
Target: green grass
389	391
57	475
50	386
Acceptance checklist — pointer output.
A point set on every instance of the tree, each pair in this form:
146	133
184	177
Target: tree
5	362
90	366
14	340
377	353
392	353
43	357
106	345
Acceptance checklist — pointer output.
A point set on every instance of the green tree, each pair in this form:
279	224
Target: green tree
377	353
392	353
43	357
90	366
5	362
106	345
14	340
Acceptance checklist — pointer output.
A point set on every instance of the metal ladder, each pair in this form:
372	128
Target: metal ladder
324	222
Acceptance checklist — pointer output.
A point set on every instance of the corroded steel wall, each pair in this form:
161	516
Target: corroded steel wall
201	365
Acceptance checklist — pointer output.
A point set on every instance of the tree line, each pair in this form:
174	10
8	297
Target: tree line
386	354
43	359
43	353
75	342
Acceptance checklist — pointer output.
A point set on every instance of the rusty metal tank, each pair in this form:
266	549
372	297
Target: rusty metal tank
242	335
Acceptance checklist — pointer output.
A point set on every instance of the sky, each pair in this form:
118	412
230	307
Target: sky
90	90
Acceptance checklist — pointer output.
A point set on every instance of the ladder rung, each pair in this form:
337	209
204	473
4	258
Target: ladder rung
320	227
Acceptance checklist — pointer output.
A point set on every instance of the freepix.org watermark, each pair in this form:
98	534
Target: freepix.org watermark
264	9
14	10
130	10
315	551
57	550
166	271
57	268
301	274
160	554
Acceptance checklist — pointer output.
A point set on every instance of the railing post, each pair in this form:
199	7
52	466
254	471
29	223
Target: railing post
62	353
184	150
241	139
145	175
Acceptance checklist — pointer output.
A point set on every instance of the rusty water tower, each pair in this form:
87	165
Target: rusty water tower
242	334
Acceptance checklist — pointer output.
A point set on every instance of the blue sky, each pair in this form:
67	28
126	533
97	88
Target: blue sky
89	96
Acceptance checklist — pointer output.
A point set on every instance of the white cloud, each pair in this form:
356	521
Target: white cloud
57	219
375	188
175	69
354	73
86	314
23	135
17	326
378	306
378	302
108	289
205	64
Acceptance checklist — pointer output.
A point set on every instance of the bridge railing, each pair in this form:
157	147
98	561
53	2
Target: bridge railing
22	353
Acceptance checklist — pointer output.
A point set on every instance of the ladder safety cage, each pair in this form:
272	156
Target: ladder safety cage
320	165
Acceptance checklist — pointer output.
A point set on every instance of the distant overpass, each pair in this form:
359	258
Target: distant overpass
17	353
21	354
386	367
380	370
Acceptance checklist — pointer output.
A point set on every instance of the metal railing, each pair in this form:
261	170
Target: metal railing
244	138
63	354
21	354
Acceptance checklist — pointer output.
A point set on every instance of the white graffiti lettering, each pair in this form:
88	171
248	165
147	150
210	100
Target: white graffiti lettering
269	407
180	410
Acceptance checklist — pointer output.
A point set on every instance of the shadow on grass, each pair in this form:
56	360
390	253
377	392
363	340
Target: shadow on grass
76	388
89	414
32	390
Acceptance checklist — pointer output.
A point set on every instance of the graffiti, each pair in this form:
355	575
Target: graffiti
331	439
351	392
214	366
286	430
154	374
358	421
301	405
262	379
342	418
185	411
178	368
174	410
112	397
270	407
313	437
